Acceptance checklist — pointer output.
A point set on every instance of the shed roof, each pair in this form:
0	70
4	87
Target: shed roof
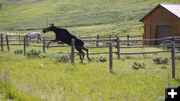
172	8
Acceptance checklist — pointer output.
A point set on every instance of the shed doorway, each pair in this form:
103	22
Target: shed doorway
162	32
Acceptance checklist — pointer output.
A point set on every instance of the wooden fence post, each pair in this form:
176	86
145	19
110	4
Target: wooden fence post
118	48
44	45
72	50
19	39
110	58
25	39
7	42
2	43
128	40
97	42
173	58
110	36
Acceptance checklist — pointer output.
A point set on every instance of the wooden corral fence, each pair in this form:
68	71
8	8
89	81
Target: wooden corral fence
117	42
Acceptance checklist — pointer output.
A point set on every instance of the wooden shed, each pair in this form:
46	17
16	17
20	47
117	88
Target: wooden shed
162	21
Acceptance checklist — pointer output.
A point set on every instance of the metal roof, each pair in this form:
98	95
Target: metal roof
173	8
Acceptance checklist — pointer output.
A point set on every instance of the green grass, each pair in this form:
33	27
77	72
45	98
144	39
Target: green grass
9	92
90	81
110	17
30	79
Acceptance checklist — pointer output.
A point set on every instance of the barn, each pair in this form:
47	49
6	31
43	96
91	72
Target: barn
162	21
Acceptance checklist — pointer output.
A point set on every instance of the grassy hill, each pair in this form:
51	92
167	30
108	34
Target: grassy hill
110	16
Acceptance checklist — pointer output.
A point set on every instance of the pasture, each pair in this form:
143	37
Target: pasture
50	76
47	78
90	17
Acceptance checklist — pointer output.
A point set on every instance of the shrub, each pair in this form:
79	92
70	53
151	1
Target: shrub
59	57
163	67
137	66
93	59
128	57
164	61
163	45
42	55
100	58
177	57
62	58
160	60
33	52
18	51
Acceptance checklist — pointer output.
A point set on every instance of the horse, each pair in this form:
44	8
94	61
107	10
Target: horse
64	36
31	35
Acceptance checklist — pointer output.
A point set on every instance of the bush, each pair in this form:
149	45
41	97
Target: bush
59	57
160	60
43	55
163	67
163	45
18	51
177	57
128	57
137	66
63	58
33	52
100	58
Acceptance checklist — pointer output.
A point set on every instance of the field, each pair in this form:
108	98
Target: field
90	17
47	78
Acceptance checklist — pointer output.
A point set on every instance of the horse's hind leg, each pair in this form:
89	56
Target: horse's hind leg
50	42
87	53
81	54
80	57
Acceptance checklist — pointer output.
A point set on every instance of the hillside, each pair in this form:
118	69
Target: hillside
106	15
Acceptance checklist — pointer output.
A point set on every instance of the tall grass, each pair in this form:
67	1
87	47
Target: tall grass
11	92
90	81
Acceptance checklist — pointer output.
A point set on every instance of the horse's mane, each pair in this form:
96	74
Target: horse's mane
57	27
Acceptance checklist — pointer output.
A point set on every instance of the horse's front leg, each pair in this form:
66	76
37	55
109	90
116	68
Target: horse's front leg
50	42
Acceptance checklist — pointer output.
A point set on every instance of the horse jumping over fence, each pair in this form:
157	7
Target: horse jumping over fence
31	35
64	36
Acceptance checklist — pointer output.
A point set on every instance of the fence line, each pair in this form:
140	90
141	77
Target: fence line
110	40
117	41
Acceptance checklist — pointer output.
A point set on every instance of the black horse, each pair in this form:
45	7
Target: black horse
64	36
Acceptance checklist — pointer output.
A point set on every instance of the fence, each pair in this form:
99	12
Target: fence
112	41
98	38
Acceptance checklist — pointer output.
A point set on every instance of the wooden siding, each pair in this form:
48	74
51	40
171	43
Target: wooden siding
159	17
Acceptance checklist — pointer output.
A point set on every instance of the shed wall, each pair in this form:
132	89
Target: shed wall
160	17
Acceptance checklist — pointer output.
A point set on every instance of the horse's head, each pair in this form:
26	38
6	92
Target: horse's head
50	28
